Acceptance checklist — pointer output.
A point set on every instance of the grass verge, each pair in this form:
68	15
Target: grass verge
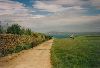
82	52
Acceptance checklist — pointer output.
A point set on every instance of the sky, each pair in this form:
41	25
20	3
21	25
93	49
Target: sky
52	15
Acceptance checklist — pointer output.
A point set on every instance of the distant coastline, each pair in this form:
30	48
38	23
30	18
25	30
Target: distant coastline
67	34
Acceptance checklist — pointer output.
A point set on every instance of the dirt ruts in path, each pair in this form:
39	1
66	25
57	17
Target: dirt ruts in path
37	57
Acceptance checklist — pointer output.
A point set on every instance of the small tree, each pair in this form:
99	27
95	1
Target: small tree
28	32
23	31
14	29
1	28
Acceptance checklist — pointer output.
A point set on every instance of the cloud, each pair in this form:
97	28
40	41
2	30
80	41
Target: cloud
47	7
59	23
61	5
96	3
56	6
67	2
70	24
16	10
9	7
66	15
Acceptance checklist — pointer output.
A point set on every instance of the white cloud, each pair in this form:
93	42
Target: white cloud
9	7
96	3
38	16
68	15
16	10
58	23
67	2
47	7
60	5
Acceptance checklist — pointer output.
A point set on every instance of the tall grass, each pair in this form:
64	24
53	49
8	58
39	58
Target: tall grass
82	52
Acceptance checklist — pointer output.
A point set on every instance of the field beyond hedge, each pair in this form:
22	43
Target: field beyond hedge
82	52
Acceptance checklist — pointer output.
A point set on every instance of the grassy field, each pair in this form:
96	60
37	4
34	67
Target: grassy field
82	52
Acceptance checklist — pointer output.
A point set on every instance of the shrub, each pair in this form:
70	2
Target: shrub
14	29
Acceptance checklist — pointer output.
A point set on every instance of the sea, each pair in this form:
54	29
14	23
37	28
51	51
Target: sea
67	35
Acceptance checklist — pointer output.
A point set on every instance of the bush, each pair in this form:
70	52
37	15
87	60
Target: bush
14	29
16	43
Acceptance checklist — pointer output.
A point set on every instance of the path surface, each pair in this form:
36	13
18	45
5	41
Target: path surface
38	57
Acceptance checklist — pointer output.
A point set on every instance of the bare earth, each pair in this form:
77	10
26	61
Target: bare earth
38	57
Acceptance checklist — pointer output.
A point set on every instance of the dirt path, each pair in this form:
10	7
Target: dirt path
38	57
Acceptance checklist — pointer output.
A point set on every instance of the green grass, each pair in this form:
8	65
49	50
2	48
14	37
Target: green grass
82	52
